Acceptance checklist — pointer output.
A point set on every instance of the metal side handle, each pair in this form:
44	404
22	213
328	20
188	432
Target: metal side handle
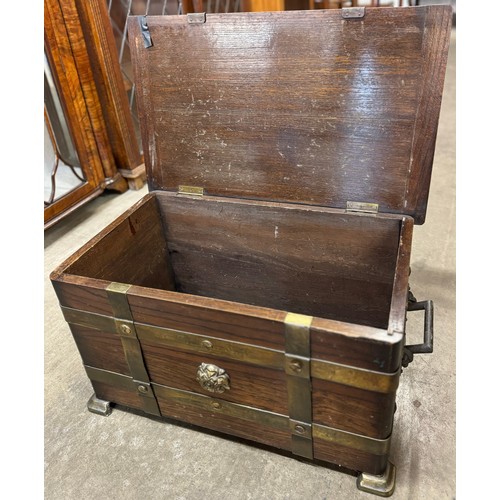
428	345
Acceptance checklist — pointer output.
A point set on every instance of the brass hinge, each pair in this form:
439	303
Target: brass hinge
353	12
191	190
357	206
197	18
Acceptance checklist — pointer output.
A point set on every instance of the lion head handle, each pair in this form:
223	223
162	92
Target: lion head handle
212	378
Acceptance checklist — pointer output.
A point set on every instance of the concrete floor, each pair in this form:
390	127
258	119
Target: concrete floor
127	456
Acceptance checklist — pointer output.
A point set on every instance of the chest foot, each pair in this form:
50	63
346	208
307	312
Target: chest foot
382	485
99	406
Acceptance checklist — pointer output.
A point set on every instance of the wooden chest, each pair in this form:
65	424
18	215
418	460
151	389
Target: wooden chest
261	288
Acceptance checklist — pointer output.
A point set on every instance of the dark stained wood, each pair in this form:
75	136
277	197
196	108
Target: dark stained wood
262	109
397	318
347	457
251	385
351	409
100	349
434	56
230	425
133	251
118	395
351	345
321	263
210	317
61	270
344	343
334	405
84	294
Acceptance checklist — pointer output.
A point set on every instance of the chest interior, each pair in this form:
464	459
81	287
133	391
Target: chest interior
313	261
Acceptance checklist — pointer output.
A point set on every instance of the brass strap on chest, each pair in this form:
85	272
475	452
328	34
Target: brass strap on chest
298	377
117	295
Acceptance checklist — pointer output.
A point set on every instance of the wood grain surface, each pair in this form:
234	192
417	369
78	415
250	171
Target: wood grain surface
353	345
118	395
82	293
250	385
295	106
230	425
347	457
100	349
351	409
133	251
319	263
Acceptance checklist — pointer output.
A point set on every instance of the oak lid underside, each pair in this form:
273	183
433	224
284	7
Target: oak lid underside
303	107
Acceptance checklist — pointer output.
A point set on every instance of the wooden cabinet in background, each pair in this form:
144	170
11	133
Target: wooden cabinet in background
80	52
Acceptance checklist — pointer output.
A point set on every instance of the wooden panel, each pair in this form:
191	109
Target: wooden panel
99	349
261	433
344	343
210	317
330	342
132	250
320	263
347	457
351	409
118	395
251	385
434	53
82	293
397	317
294	106
230	425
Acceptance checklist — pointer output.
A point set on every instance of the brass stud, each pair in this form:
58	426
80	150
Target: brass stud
296	365
143	389
216	405
126	329
207	344
299	429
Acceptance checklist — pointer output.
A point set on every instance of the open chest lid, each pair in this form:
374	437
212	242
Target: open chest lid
320	107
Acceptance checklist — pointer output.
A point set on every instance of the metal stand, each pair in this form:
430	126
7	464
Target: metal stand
378	485
99	406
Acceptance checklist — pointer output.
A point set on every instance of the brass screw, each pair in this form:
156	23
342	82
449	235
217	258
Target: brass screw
299	429
296	365
207	344
126	329
216	405
143	389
